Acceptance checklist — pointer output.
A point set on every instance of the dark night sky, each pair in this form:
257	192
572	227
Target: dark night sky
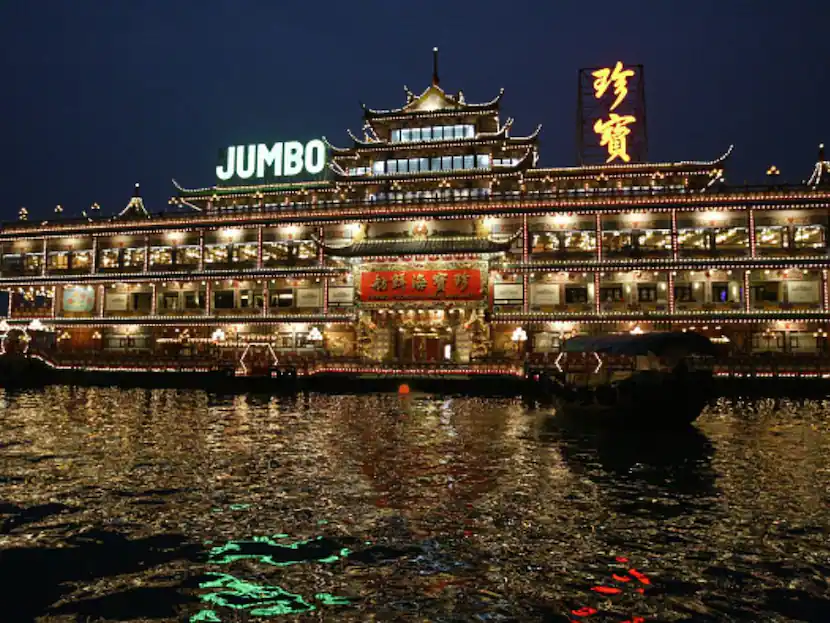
99	95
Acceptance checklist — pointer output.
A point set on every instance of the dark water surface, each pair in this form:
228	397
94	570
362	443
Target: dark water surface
181	506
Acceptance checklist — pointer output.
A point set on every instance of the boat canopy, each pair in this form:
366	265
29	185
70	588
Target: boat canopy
660	344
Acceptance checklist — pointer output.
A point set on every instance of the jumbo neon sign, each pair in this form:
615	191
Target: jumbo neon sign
262	162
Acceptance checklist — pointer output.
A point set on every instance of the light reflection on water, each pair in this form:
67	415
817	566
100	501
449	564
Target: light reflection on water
175	505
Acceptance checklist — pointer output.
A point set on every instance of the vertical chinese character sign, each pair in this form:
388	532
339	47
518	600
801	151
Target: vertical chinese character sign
611	115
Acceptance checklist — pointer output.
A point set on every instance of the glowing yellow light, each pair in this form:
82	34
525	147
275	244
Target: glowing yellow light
613	134
618	76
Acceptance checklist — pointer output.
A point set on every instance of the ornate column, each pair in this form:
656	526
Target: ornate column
208	297
94	254
146	253
670	293
202	250
321	256
598	233
752	242
45	258
259	250
747	297
101	297
597	300
154	301
825	295
675	251
265	297
325	295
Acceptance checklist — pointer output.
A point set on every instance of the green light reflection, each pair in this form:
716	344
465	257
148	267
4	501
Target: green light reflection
262	599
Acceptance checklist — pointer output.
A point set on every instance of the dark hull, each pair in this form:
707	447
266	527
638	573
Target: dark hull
655	399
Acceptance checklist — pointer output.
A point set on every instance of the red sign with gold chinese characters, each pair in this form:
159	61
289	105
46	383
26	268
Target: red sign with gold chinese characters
420	285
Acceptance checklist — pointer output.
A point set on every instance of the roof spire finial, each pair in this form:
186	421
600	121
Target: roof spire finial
137	190
821	152
435	67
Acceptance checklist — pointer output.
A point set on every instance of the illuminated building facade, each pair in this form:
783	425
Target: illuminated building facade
433	237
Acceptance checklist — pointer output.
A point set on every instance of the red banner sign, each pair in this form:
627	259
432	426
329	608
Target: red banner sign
420	285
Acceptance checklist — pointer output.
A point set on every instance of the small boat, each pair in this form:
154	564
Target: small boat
660	378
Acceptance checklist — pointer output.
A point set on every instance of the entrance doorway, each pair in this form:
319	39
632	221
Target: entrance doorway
427	348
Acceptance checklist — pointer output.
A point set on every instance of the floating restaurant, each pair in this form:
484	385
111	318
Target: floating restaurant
432	240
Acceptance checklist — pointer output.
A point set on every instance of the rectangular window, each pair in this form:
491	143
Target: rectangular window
457	162
245	253
109	258
435	164
403	166
416	134
809	237
685	293
469	162
732	238
693	239
469	131
423	164
282	298
245	299
426	134
458	131
223	299
483	161
576	294
170	301
392	166
59	261
377	167
216	254
134	258
771	237
617	241
446	163
765	293
580	240
611	294
413	165
654	240
406	133
720	292
396	136
193	300
437	133
188	256
647	293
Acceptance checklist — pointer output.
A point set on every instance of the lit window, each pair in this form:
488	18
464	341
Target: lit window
378	167
426	134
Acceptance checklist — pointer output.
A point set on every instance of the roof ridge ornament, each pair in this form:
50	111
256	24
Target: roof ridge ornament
136	205
435	80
